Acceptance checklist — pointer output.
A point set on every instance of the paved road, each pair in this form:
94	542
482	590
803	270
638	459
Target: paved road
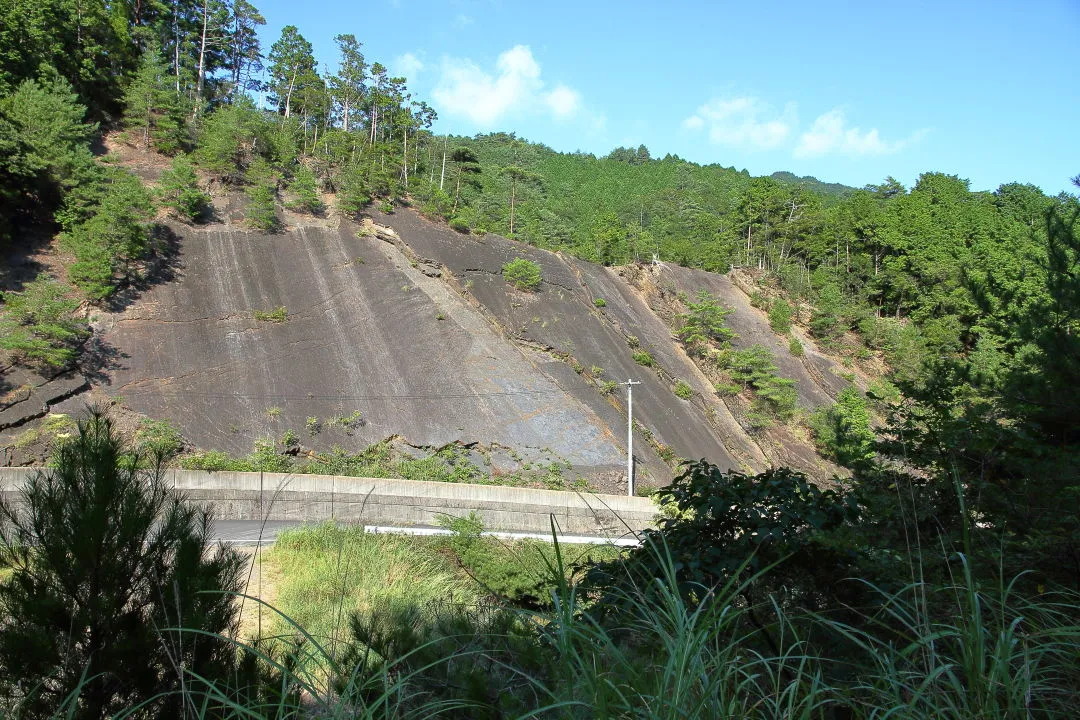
251	532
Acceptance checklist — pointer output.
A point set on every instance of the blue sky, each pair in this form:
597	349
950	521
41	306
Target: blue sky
847	92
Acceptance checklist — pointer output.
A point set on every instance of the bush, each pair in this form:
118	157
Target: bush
644	358
780	316
683	390
459	225
261	211
704	324
842	432
37	324
522	274
304	189
754	368
106	563
179	190
599	302
795	347
277	315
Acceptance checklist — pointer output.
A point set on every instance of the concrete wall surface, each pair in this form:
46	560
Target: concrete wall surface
275	496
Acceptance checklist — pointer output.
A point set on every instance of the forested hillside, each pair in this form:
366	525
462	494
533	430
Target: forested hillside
962	302
934	574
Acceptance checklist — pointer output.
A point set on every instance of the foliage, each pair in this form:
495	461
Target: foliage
178	188
334	571
107	564
780	313
261	210
683	390
599	302
754	368
108	229
354	193
152	108
842	432
768	535
277	315
37	324
305	192
644	358
704	324
523	274
795	347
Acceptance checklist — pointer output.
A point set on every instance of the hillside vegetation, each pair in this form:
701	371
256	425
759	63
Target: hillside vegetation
937	577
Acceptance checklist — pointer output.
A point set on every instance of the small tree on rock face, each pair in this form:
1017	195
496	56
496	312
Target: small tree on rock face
522	274
38	326
704	323
179	190
304	189
106	561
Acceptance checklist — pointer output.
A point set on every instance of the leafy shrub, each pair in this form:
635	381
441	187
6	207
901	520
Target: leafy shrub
780	313
842	432
107	562
522	274
754	368
795	347
683	390
459	225
261	211
704	324
37	324
599	302
304	190
277	315
607	387
644	358
178	189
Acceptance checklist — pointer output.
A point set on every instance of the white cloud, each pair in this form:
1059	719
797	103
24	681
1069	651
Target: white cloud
831	134
407	65
466	89
563	101
743	121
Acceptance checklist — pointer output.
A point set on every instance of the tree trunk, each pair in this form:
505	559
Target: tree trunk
405	158
176	45
202	59
513	195
442	175
288	95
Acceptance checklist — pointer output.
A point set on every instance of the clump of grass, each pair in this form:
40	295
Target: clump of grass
277	315
683	391
644	358
334	570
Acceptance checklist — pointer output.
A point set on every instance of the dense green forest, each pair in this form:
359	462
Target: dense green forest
965	303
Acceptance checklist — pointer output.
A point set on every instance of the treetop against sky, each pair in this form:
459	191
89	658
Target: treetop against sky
848	92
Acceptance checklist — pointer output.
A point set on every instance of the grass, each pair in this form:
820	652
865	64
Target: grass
329	571
277	315
395	627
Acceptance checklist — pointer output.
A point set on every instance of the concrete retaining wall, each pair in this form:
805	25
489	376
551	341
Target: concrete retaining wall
275	496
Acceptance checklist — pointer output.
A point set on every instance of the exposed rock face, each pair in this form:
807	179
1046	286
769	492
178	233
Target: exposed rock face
413	326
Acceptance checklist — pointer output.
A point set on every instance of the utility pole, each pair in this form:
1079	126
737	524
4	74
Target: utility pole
630	435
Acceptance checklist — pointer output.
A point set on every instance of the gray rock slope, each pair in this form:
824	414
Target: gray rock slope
418	332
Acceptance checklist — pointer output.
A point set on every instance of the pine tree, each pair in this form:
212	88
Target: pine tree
106	562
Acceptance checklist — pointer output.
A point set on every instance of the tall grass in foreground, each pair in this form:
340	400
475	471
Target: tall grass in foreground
334	571
979	654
